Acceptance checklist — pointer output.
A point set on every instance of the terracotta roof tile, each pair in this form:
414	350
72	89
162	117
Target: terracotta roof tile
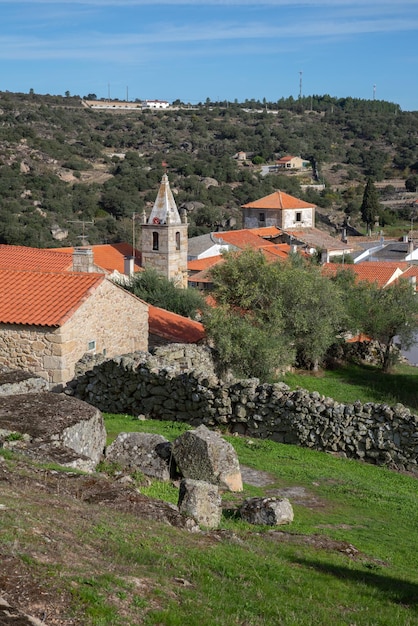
173	327
278	201
382	273
267	232
43	298
197	265
111	256
24	258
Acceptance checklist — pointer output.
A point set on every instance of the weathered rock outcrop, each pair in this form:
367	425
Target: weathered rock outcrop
146	452
53	427
204	456
201	501
14	382
267	511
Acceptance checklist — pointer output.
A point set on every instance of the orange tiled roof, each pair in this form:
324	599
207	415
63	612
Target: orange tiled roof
43	298
284	159
410	272
111	256
197	265
267	232
278	201
173	327
381	273
24	258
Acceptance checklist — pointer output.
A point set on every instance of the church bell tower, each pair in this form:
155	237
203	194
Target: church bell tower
164	237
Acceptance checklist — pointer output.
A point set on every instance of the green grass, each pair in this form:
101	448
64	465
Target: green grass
127	571
259	580
365	383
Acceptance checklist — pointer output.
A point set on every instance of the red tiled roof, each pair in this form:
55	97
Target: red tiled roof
278	201
267	232
173	327
197	265
285	159
360	338
240	238
381	273
111	256
24	258
43	298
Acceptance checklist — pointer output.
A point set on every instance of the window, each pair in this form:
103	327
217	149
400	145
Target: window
261	217
177	241
298	216
155	242
91	345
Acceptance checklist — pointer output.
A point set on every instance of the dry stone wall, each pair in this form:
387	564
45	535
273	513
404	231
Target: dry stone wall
179	383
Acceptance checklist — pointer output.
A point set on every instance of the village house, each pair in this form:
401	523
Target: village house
50	319
292	163
295	219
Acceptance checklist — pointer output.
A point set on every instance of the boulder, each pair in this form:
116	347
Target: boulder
148	453
14	382
200	501
202	454
53	427
267	511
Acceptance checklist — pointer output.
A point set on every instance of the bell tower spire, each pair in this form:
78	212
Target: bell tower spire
164	237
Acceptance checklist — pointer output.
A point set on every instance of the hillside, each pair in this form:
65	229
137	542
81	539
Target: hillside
67	170
96	550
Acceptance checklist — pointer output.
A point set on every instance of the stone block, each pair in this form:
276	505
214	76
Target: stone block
202	454
200	501
267	511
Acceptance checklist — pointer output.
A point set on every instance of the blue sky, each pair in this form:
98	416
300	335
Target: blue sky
221	49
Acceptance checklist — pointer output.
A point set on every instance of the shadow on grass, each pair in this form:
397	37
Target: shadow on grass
398	387
398	591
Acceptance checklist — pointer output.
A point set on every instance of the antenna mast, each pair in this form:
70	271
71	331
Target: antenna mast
300	85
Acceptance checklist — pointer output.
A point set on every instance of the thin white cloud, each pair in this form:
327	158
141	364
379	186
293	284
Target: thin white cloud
94	45
396	4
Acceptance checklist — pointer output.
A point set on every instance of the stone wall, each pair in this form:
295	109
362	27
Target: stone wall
179	383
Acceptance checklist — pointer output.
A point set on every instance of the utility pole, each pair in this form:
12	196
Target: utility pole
300	85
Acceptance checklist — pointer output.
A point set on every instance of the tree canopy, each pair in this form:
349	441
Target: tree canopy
287	311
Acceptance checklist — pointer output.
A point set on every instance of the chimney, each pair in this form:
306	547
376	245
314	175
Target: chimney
128	265
410	245
83	260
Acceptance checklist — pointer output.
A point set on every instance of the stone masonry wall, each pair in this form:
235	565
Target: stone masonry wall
179	383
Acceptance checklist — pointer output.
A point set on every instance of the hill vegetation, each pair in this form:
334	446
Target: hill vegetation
70	173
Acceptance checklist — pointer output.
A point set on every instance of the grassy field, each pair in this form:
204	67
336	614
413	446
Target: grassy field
361	382
349	557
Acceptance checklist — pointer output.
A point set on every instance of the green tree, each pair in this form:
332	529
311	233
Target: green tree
385	314
294	313
370	205
159	291
381	314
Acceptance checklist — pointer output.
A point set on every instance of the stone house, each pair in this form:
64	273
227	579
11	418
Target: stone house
49	320
279	209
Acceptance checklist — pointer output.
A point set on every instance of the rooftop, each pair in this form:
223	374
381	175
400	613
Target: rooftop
40	298
173	327
24	258
111	256
278	201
